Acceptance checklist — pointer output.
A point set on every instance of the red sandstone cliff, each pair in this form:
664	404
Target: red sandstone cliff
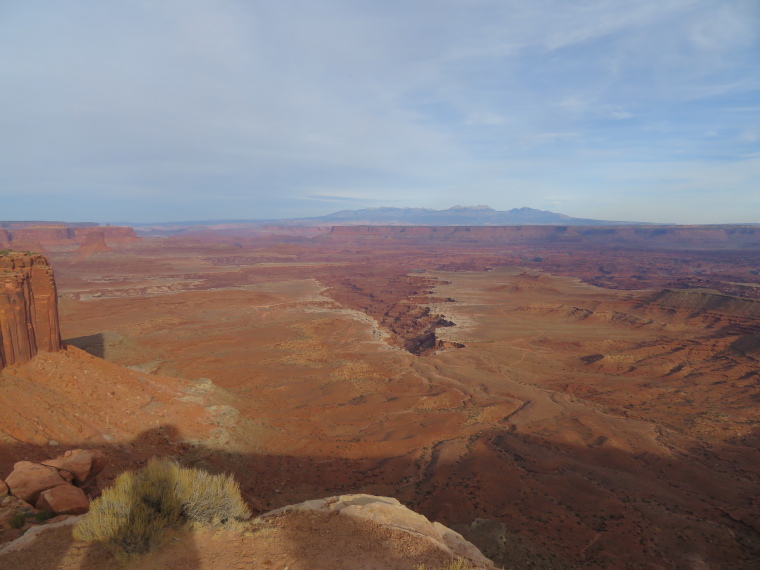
32	237
95	242
16	225
28	308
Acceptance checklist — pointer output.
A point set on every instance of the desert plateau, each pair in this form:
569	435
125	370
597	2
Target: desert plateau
561	400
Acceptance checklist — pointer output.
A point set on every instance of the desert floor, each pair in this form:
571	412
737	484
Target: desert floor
555	423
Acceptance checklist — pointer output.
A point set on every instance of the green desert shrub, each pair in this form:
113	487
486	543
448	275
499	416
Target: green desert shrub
132	516
43	515
17	521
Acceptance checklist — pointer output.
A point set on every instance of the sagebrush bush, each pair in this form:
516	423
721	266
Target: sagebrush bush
131	516
219	501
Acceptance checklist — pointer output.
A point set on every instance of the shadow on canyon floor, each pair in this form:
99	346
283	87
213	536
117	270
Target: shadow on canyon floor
549	505
94	344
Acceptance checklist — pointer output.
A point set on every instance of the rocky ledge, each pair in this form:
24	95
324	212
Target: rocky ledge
356	532
388	513
35	492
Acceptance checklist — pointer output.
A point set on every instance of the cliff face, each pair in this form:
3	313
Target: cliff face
16	225
111	234
95	242
697	236
36	237
28	308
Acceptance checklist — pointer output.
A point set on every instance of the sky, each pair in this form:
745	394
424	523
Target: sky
171	110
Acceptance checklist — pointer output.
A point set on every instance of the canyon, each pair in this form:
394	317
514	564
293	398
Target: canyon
564	397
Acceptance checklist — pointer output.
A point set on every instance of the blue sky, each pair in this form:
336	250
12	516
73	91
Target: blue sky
168	110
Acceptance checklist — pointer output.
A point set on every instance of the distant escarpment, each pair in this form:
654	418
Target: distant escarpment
62	237
727	314
659	236
705	302
95	242
28	308
14	225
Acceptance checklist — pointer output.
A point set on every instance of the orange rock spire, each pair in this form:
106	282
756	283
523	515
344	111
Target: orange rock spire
28	308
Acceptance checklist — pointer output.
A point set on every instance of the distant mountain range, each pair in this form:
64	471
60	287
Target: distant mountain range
455	216
459	216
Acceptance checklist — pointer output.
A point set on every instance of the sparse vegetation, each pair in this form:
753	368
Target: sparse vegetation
10	251
132	516
43	515
17	521
457	564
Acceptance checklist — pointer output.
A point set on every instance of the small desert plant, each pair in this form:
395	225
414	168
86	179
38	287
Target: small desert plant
131	516
43	515
17	521
457	564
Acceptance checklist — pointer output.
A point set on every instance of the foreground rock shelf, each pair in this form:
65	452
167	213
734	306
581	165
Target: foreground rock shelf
350	532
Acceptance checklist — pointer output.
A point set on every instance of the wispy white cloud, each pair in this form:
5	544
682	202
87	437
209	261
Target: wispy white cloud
286	107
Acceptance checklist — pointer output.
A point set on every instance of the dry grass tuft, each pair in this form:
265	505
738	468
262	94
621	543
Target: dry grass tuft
131	516
457	564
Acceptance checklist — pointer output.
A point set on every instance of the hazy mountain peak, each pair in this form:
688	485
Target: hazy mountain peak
473	208
458	215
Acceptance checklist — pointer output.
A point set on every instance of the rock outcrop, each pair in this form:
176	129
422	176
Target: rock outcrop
64	500
28	308
83	464
94	242
338	533
63	237
28	480
387	512
56	485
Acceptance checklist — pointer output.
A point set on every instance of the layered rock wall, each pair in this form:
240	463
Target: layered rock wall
695	236
34	237
16	224
28	308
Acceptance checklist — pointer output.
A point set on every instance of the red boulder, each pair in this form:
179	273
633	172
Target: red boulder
28	480
84	464
64	500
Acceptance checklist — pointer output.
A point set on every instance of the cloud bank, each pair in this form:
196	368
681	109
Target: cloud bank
196	109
